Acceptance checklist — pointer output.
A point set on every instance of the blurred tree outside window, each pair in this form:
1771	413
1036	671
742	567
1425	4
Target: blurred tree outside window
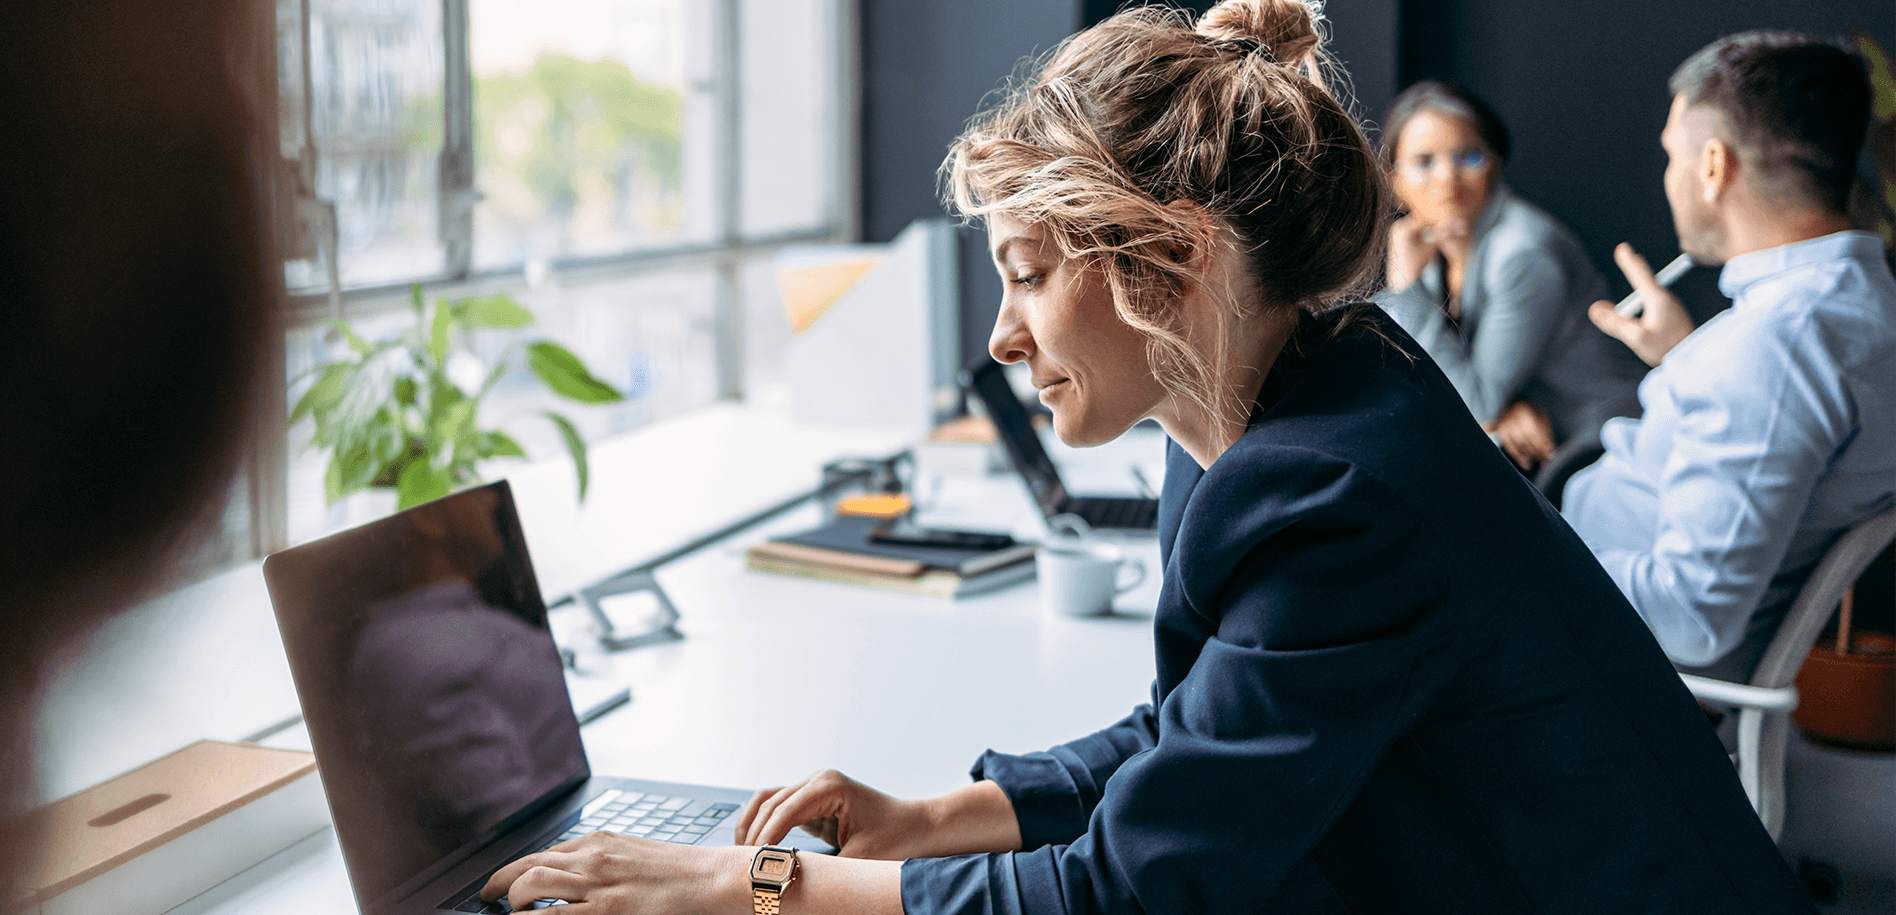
579	128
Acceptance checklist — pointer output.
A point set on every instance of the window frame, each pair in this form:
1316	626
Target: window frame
311	223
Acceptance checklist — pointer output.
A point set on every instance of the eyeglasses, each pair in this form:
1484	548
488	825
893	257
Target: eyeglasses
1420	167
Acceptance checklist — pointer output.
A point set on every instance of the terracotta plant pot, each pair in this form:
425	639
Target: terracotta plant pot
1850	699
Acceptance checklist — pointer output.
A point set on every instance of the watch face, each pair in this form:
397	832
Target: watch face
773	866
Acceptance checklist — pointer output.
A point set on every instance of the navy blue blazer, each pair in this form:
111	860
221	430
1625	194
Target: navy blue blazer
1390	679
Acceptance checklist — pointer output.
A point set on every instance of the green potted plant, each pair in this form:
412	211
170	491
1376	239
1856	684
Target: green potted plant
393	415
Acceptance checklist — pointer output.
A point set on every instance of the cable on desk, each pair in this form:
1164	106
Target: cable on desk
272	730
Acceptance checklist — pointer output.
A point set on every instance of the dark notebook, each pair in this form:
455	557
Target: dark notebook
849	534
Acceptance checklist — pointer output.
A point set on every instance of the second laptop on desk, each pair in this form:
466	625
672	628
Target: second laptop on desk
988	381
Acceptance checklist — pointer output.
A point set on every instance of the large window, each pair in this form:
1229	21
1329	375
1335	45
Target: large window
595	127
624	168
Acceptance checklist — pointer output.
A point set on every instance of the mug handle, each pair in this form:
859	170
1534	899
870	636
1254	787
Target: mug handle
1069	526
1139	569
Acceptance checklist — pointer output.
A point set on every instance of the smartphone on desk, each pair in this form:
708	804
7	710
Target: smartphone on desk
904	531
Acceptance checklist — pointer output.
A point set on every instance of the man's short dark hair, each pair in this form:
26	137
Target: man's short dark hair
1794	107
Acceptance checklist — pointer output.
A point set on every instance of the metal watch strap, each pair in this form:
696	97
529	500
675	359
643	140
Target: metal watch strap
773	869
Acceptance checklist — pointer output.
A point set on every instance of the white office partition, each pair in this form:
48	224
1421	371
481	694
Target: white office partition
882	351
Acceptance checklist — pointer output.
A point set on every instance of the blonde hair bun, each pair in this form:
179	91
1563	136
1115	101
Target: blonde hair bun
1286	28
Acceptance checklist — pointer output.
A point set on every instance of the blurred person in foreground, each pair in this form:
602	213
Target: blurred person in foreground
1771	430
1494	288
137	295
1389	678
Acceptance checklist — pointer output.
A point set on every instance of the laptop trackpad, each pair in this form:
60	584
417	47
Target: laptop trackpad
803	841
797	839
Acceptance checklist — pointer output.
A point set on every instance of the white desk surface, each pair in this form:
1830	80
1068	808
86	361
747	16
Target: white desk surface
205	662
898	690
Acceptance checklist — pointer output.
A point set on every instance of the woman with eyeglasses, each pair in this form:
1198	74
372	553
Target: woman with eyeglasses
1493	288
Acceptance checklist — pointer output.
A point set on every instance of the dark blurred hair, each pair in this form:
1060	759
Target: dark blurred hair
1795	108
138	290
1448	99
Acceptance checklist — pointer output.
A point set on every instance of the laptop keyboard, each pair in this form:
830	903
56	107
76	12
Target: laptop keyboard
1120	513
657	817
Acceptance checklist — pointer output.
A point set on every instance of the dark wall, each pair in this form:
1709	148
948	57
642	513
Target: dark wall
926	65
1362	38
1582	87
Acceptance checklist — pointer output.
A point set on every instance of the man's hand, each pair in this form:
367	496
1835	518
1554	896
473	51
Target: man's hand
1525	434
1657	329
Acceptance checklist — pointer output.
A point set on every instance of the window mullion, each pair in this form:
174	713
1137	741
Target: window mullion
456	174
728	318
845	151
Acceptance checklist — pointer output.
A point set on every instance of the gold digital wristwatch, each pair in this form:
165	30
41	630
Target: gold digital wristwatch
772	869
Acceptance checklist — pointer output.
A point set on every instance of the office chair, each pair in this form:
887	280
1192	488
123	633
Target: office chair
1765	703
1570	458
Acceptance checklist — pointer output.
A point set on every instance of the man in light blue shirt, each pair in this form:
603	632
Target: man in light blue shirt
1772	429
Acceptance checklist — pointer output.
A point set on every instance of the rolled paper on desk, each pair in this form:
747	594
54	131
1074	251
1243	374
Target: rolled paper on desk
1632	305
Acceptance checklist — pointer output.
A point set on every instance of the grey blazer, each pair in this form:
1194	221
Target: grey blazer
1524	331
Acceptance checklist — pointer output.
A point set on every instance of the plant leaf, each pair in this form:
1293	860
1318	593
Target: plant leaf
390	471
492	311
575	446
360	346
360	413
414	298
332	480
438	333
500	444
452	424
452	433
351	469
323	396
386	441
561	371
443	395
420	482
359	465
405	391
493	375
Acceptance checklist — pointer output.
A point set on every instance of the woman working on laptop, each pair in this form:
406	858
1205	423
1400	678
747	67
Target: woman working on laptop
1388	678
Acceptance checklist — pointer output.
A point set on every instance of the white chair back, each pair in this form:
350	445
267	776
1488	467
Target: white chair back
1841	566
1766	702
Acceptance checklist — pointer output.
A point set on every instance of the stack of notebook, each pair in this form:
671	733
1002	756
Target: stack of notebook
843	551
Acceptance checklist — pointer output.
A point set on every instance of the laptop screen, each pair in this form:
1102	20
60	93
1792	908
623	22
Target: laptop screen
989	382
430	683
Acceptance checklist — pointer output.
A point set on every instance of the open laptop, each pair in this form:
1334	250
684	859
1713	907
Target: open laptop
438	710
988	381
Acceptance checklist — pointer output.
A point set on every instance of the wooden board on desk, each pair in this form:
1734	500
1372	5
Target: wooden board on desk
91	838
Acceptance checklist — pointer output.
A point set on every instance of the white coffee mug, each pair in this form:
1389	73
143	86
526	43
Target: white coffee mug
1081	577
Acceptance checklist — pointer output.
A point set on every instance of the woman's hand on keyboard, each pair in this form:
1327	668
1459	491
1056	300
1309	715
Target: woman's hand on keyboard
865	823
626	876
